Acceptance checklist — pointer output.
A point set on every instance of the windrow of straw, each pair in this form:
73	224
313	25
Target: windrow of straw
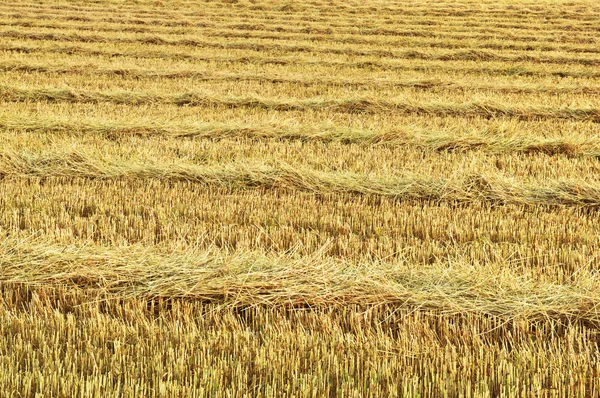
425	84
580	18
371	63
418	38
316	281
497	138
472	54
244	175
487	109
111	24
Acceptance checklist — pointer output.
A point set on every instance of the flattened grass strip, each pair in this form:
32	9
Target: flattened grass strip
497	138
486	109
271	60
464	54
259	279
307	81
490	188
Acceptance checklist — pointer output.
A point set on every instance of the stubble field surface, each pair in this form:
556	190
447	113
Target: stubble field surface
320	198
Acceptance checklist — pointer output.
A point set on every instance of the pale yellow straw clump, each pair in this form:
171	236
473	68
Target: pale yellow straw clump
271	198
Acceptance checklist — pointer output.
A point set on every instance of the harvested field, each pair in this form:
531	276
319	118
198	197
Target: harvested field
272	198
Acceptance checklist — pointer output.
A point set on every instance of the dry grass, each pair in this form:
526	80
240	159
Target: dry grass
273	58
248	198
495	138
487	109
467	188
316	281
